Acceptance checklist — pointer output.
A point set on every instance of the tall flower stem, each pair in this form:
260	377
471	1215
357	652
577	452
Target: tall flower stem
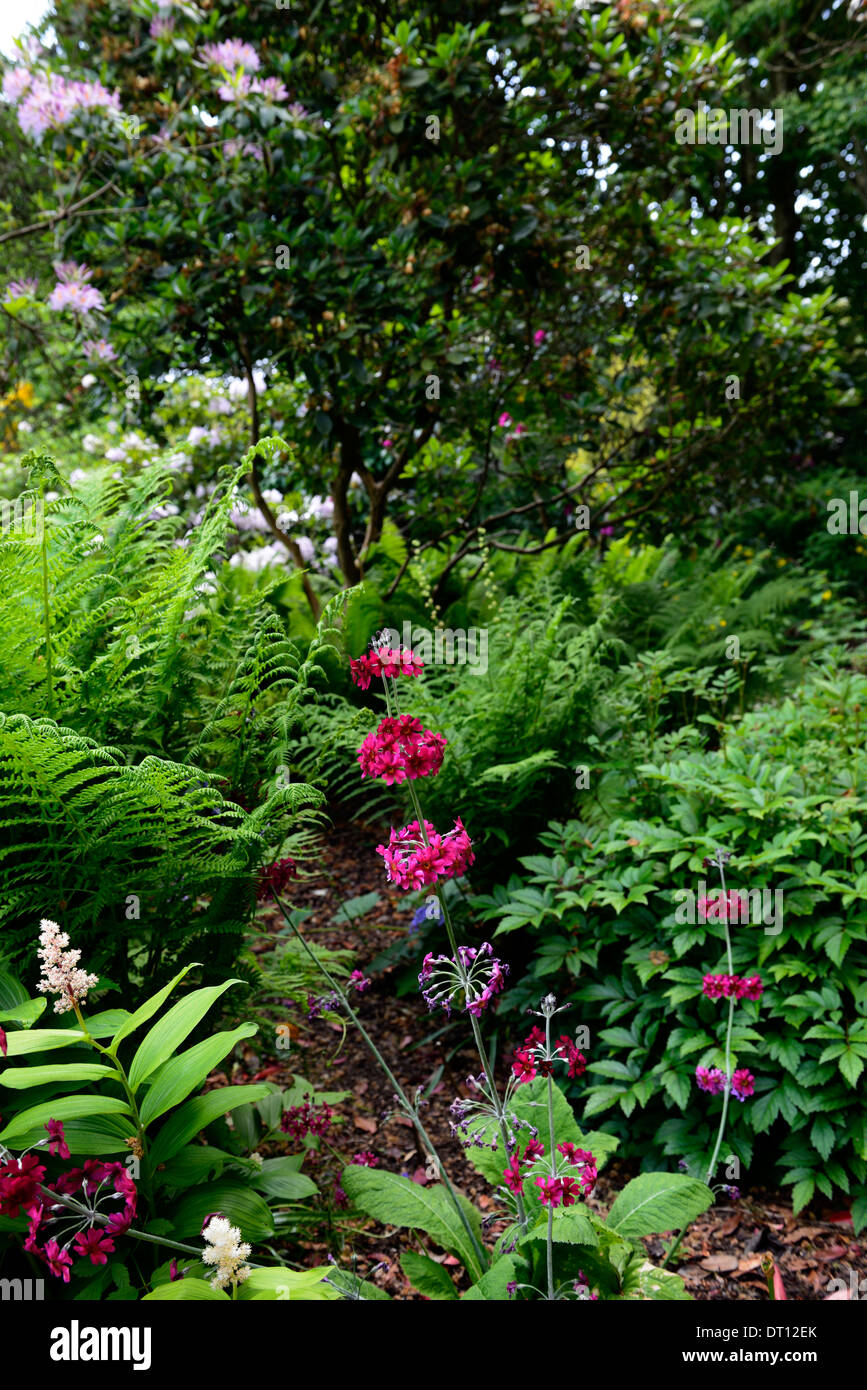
477	1032
481	1253
553	1161
123	1079
726	1093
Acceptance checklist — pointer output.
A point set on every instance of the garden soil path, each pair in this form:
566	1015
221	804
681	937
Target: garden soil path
721	1257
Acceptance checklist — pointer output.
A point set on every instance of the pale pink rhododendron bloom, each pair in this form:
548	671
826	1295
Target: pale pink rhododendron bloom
72	290
231	54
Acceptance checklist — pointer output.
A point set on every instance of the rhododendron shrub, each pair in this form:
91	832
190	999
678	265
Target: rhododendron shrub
539	1239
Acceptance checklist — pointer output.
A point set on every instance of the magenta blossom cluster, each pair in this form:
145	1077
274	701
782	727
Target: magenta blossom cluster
308	1118
514	1175
476	976
388	662
412	861
555	1189
276	877
400	749
531	1059
97	1184
365	1159
713	1081
726	986
725	907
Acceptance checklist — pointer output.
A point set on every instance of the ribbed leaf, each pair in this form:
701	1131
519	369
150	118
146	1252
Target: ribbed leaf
399	1202
181	1075
167	1035
198	1113
655	1202
64	1108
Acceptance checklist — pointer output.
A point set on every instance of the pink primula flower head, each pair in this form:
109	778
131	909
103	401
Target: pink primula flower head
724	907
384	662
412	861
401	749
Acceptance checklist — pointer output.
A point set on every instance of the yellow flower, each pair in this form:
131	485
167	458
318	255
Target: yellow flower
722	622
24	393
782	562
826	594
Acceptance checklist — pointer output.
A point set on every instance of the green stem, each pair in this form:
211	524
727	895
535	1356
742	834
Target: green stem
725	1105
553	1162
120	1073
46	609
399	1091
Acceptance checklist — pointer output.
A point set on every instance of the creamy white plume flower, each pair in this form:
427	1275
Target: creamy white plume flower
60	973
225	1249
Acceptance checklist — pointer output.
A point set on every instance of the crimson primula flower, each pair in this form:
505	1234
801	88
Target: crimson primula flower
725	907
57	1145
412	863
94	1243
19	1183
724	986
301	1120
400	749
387	661
713	1080
583	1159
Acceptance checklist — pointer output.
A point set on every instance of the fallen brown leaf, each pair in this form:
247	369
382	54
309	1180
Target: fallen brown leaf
720	1264
362	1122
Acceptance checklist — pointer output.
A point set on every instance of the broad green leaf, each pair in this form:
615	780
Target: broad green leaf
106	1024
26	1012
181	1075
569	1228
64	1108
186	1290
92	1136
279	1179
655	1202
148	1008
427	1276
398	1202
643	1280
21	1077
288	1285
492	1287
243	1207
41	1040
193	1165
167	1035
197	1114
11	991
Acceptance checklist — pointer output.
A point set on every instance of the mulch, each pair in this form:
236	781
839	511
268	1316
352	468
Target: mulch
719	1259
